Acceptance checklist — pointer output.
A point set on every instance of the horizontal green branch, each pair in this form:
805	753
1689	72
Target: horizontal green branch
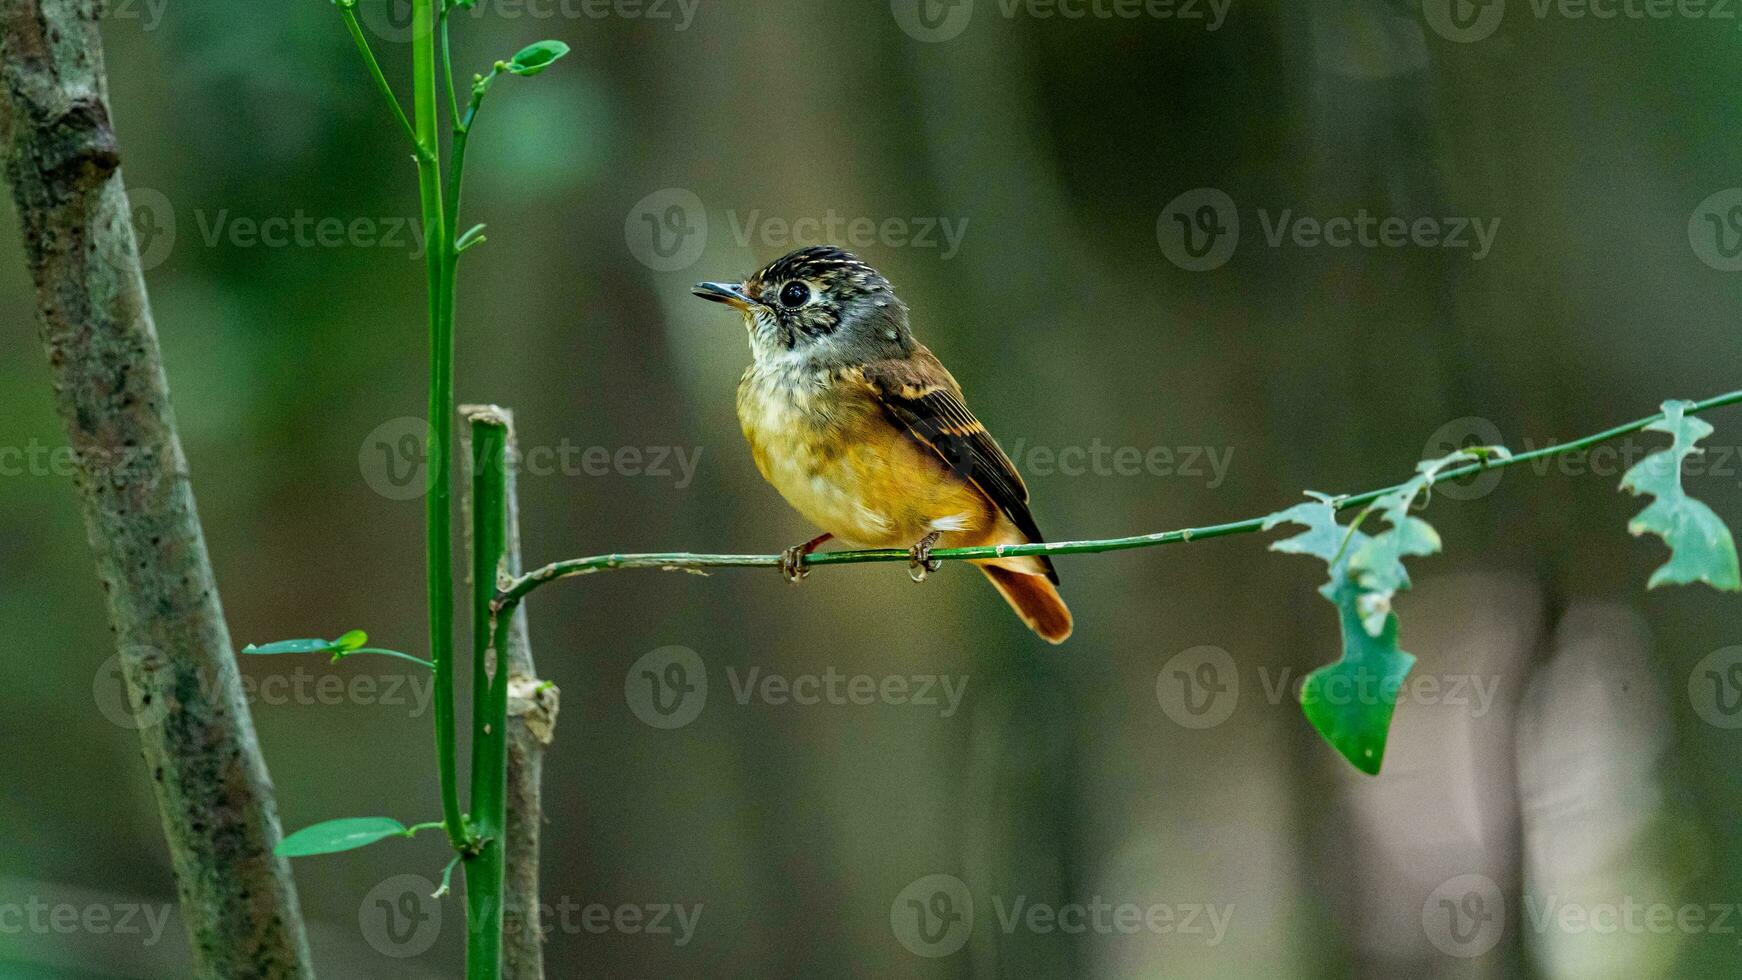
518	588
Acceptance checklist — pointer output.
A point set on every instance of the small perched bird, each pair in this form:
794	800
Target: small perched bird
865	433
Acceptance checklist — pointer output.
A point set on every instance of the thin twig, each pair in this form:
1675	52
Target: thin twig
518	588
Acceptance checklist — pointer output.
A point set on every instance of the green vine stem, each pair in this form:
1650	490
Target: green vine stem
518	588
484	867
438	502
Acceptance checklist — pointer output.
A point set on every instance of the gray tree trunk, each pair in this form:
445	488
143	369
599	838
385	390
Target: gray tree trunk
211	783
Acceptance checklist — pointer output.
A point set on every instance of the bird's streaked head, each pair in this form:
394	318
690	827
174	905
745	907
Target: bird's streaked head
818	305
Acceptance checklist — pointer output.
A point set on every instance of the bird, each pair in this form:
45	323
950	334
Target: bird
866	434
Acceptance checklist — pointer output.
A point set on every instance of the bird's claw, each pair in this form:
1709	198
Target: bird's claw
794	563
920	563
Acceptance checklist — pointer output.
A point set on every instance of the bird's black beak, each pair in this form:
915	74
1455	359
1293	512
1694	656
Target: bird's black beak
730	293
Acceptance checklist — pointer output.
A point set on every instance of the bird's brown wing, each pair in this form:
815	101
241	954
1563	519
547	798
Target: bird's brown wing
920	395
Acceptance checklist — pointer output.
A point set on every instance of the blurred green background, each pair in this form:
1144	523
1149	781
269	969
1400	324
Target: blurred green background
1575	758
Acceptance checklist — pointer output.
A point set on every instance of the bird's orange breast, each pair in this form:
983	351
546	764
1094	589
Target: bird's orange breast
826	444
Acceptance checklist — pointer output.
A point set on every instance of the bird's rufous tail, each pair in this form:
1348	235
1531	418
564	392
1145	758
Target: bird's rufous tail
1035	599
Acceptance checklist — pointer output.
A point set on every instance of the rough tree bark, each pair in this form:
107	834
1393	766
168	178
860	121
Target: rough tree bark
211	783
532	711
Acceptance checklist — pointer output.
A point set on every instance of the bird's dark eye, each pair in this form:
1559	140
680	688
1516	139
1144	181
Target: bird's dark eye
795	294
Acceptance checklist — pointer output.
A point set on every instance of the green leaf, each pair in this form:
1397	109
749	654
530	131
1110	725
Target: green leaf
1377	564
473	236
1701	549
1350	702
536	57
344	644
334	836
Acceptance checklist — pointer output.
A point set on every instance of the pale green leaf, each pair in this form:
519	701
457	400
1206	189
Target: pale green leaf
1701	548
346	834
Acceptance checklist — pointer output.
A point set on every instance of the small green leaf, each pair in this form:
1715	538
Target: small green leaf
1701	549
333	836
1377	564
473	236
536	57
291	646
344	644
1350	702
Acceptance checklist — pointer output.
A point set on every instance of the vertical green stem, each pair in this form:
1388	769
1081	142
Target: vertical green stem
439	501
484	870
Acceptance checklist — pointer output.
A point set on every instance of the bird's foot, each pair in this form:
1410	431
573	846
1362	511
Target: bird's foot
920	563
793	561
